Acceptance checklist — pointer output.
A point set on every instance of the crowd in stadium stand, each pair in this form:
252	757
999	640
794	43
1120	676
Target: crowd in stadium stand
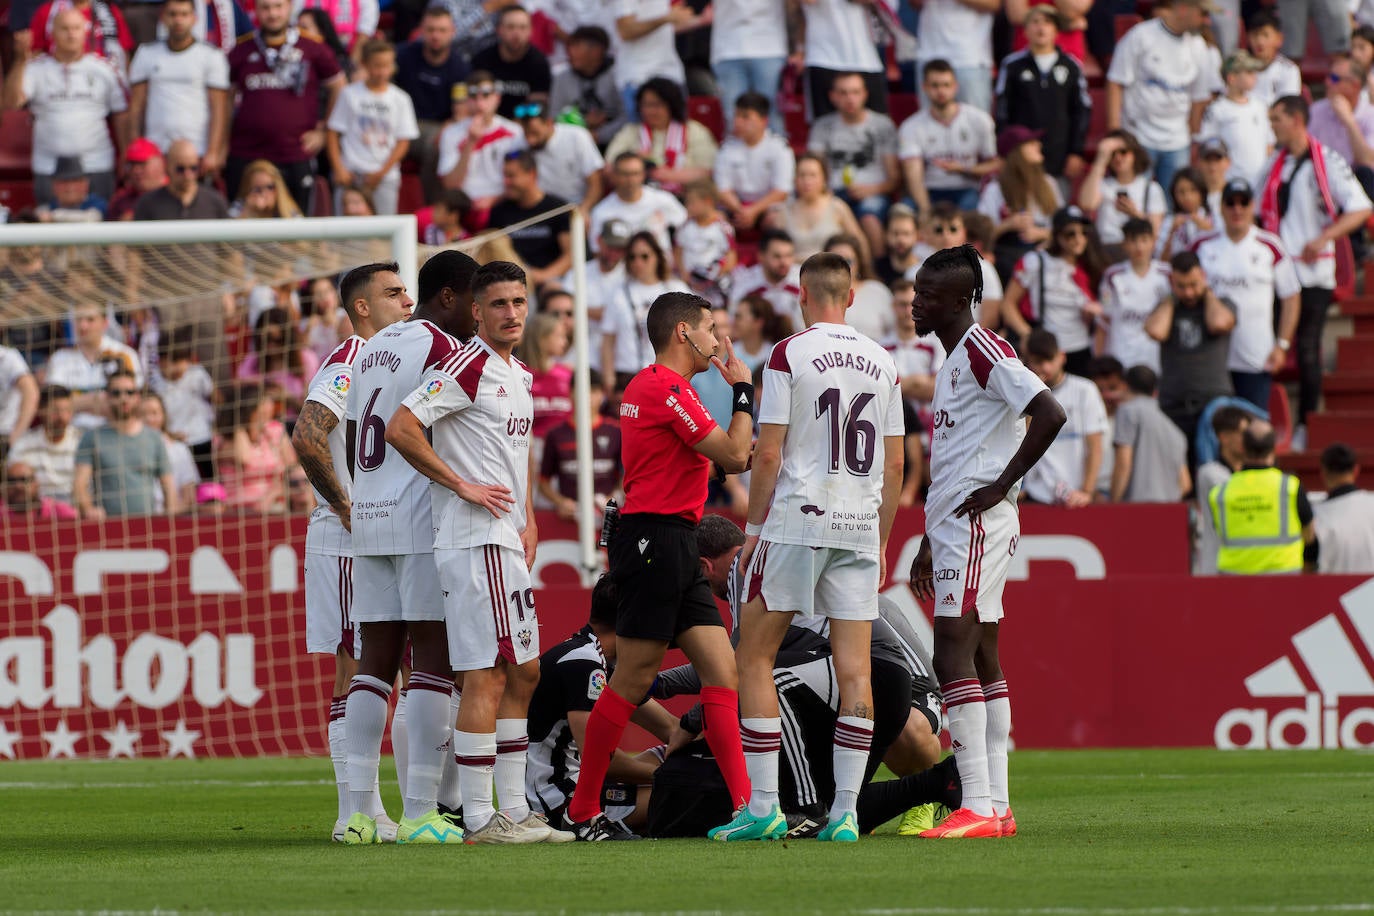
1163	211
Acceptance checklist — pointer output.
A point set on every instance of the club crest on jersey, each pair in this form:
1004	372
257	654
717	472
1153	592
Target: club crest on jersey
341	384
953	379
525	636
595	684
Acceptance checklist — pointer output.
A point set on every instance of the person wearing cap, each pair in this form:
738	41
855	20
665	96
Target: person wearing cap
1251	269
1119	187
474	145
1214	163
519	67
1238	119
179	88
147	172
67	123
605	277
1344	120
1043	87
587	88
1021	200
947	147
1344	521
1159	83
427	69
569	163
72	200
1310	198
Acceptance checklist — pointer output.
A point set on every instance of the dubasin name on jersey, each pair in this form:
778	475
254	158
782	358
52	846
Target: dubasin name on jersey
841	360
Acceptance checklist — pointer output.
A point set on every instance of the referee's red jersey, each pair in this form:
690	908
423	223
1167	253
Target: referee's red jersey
661	419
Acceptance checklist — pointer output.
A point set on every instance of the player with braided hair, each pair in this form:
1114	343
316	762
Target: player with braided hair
979	451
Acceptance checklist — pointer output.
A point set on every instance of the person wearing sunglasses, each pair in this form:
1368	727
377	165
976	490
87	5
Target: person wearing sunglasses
22	501
521	68
263	194
473	147
119	466
183	197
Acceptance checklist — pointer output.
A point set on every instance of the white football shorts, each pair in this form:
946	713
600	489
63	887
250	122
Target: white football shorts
489	599
389	589
328	604
971	559
825	581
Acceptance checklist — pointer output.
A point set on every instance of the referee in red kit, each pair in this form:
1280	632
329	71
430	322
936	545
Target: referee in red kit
668	442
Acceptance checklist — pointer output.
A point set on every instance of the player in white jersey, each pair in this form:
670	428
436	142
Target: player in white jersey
395	585
373	296
978	454
827	472
479	409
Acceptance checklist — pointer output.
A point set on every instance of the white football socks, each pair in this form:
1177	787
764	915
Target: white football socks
512	753
761	739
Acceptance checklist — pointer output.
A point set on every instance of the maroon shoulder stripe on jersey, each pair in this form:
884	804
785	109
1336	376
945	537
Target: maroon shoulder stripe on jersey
778	358
1197	242
985	349
441	346
1272	243
345	353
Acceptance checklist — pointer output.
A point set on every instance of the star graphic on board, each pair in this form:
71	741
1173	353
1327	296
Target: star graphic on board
181	740
61	741
8	740
121	740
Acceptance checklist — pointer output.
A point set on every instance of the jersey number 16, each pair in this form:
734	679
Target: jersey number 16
859	436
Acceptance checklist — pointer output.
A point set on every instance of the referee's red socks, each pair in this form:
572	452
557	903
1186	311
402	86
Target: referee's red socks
605	726
720	709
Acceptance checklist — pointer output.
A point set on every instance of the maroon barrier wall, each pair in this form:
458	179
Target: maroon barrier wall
152	638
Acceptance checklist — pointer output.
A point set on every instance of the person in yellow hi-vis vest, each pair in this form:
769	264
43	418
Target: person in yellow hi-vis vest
1262	516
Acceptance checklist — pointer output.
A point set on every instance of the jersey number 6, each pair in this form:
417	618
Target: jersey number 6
372	438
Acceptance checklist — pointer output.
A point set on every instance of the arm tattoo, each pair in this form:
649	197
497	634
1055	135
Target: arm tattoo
311	439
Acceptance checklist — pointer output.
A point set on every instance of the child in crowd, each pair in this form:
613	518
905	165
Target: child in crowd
370	130
186	390
185	474
1240	118
446	218
1278	76
1129	292
705	249
1189	218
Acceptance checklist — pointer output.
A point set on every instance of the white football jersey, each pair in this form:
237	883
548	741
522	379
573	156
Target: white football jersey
837	393
391	513
329	387
481	412
980	393
1249	274
1127	300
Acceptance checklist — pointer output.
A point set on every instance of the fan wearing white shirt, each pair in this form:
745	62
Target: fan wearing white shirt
776	277
1119	187
641	208
1129	292
18	395
1066	475
1278	76
837	38
569	163
370	130
748	51
473	147
648	44
947	148
1240	118
960	31
755	168
625	344
179	88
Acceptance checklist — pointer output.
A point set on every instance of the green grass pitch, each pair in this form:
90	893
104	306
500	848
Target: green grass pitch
1126	832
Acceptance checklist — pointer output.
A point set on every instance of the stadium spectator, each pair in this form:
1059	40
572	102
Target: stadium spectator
474	23
542	348
951	228
1158	83
1060	285
1240	119
50	449
220	24
1362	45
1193	326
521	69
370	130
185	475
1262	515
904	250
278	76
755	168
1067	473
1043	88
870	311
813	213
1119	187
1020	200
648	47
1251	269
1129	292
1069	18
72	200
357	202
473	146
427	69
605	277
279	361
625	345
1343	121
1228	423
704	246
105	35
147	172
642	209
748	52
325	324
918	358
24	502
757	329
1189	217
354	21
1310	216
960	32
77	102
1278	75
569	163
183	197
587	88
179	89
315	24
263	194
18	395
1331	17
860	149
85	369
1344	521
29	273
947	148
679	150
253	454
837	40
543	246
1151	460
187	390
558	467
776	277
446	218
119	466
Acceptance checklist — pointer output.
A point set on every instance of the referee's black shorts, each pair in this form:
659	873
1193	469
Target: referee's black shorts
656	567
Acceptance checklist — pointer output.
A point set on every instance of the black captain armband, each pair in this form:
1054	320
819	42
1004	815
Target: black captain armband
742	398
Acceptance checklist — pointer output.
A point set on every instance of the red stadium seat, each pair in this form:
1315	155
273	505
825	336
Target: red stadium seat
322	198
706	110
16	144
1124	22
1281	416
17	194
902	105
412	195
